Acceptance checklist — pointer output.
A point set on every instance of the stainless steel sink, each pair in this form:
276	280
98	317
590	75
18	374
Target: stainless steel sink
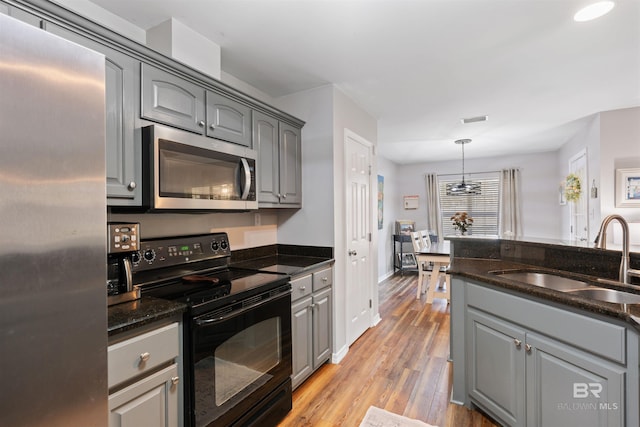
544	280
607	295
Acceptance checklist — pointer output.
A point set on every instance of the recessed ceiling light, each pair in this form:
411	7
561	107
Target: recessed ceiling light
593	11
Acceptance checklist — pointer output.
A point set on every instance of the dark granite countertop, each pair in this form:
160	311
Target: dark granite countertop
292	265
480	270
134	314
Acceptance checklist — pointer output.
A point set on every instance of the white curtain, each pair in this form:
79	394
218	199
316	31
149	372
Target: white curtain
434	218
510	217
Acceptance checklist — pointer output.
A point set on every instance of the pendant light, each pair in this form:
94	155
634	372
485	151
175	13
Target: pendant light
463	188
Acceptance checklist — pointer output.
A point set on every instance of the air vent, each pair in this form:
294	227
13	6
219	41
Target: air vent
475	119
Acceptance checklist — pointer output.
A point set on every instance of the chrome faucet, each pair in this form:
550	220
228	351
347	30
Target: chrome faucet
601	242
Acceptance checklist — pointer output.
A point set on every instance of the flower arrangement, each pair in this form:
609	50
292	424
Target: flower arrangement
461	221
573	187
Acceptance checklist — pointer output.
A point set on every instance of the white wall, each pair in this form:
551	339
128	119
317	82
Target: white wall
313	224
619	149
587	138
391	211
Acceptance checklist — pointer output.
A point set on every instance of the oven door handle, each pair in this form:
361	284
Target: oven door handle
218	319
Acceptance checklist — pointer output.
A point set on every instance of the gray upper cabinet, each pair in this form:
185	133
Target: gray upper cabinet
22	15
121	89
279	149
228	120
171	100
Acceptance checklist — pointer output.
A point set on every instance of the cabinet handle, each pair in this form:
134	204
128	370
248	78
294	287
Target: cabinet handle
201	123
212	126
302	288
517	342
527	348
132	186
175	380
324	279
144	357
312	306
353	253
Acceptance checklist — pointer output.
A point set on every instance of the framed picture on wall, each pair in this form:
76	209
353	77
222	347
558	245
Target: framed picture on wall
628	188
405	226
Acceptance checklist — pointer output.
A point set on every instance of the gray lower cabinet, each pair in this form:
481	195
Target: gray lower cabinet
145	380
123	172
311	314
279	147
528	364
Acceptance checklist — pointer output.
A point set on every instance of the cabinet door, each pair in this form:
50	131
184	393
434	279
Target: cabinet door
168	99
228	120
321	327
302	344
496	371
121	86
566	386
290	165
152	401
265	142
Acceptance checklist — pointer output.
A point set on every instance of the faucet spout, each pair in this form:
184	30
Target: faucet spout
601	242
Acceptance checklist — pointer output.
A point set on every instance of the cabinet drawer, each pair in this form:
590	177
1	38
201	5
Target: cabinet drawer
125	359
322	279
301	287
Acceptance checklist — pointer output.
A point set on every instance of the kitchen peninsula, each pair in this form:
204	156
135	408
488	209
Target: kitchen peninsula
529	346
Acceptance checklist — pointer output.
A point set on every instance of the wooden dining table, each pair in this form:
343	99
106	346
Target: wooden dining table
439	255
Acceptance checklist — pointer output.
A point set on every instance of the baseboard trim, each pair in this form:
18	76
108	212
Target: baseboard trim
336	357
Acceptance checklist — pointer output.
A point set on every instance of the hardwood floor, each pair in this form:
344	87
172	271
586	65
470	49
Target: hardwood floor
399	365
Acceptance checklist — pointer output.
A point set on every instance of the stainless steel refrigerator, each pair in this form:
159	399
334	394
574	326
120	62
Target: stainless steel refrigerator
53	313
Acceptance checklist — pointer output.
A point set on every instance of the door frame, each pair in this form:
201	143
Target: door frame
374	316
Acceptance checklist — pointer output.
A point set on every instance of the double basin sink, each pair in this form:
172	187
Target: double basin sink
570	286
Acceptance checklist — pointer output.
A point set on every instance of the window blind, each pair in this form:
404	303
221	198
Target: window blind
483	207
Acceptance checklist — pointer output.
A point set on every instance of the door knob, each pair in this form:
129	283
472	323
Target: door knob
353	253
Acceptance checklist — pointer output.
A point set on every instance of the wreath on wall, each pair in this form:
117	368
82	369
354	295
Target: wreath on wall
572	188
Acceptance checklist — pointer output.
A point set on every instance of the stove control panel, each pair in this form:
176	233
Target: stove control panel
167	252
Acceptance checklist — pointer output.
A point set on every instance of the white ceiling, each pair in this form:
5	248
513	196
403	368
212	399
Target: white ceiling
419	66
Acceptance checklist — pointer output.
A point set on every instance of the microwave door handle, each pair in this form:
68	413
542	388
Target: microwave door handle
247	179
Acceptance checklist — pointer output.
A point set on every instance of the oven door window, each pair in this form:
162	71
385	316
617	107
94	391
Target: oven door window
239	359
245	359
195	173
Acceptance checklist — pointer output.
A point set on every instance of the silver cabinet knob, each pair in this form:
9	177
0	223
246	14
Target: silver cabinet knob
324	279
175	380
201	123
144	357
517	342
302	288
284	196
353	253
212	126
132	186
527	348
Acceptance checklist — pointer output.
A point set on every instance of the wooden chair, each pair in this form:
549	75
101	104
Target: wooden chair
422	240
418	245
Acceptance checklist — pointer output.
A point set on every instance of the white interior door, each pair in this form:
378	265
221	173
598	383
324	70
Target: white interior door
579	222
358	153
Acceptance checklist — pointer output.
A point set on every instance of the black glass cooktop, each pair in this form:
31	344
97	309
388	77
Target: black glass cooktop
215	288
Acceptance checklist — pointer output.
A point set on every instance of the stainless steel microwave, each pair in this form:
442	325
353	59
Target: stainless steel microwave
185	171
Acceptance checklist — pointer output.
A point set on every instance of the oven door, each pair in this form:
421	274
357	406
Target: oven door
240	359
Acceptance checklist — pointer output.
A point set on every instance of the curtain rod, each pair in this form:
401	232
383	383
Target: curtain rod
470	173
